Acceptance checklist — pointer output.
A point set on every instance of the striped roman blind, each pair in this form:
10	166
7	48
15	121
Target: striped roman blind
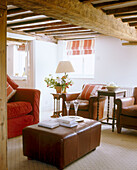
80	47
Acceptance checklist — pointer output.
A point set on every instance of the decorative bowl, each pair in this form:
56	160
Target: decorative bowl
112	88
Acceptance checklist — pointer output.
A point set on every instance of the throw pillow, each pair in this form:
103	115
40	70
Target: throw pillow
10	91
89	90
12	83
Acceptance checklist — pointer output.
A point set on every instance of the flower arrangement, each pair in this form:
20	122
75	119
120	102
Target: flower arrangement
64	82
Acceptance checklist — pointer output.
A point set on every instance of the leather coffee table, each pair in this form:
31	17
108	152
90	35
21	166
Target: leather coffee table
61	146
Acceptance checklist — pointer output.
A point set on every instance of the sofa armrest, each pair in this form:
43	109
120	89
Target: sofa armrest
124	102
29	95
70	96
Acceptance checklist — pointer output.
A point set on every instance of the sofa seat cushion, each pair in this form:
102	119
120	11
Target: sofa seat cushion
130	110
17	109
83	105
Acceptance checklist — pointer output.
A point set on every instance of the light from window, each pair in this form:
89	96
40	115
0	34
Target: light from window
84	61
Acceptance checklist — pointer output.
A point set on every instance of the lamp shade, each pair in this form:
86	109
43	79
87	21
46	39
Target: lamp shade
64	67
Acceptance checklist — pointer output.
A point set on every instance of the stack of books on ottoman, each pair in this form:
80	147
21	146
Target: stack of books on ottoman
50	123
68	121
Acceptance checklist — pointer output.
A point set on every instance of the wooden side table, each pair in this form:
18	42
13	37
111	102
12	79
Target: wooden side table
114	94
57	110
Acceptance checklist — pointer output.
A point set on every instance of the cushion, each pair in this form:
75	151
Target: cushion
10	91
130	110
12	83
89	90
17	109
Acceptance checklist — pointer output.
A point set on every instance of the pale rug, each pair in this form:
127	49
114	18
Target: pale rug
116	152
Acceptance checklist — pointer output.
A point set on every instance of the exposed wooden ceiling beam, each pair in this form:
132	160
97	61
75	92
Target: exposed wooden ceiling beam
133	24
130	43
86	0
70	33
129	19
125	14
38	37
29	22
78	34
17	40
40	25
77	37
15	11
81	14
120	10
51	28
110	3
63	31
21	16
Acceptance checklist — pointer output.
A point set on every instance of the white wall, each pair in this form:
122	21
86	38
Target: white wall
45	64
113	63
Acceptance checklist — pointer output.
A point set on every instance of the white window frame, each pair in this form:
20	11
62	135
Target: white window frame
83	75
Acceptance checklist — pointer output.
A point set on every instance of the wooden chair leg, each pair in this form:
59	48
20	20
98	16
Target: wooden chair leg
119	129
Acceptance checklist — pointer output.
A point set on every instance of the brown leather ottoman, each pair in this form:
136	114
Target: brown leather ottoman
61	146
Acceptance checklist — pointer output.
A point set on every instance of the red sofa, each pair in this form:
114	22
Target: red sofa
22	109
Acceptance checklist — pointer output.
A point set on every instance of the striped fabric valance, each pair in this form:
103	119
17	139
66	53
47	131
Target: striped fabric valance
80	47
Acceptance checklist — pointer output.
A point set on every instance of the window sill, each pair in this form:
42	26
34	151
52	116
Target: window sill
81	76
19	78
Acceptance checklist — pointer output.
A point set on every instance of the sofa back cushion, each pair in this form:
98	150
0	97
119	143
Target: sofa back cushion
12	83
89	90
17	109
10	91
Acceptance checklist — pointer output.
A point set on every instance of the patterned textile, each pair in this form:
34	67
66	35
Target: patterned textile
12	83
89	90
17	109
80	47
10	91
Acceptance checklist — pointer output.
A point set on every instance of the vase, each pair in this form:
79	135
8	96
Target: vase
65	90
58	89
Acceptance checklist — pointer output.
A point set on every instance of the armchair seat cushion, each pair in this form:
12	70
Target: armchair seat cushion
84	105
130	111
17	109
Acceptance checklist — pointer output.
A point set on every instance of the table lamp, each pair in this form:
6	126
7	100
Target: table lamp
64	67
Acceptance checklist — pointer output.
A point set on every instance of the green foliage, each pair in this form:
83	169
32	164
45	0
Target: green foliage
64	81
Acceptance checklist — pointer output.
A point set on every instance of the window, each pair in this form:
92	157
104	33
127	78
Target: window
81	54
18	56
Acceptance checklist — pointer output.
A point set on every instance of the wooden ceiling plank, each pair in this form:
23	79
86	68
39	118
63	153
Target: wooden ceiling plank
125	14
133	24
15	11
40	25
21	16
72	32
120	10
17	40
81	14
30	22
129	19
86	1
130	43
50	39
65	30
51	28
77	37
110	3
